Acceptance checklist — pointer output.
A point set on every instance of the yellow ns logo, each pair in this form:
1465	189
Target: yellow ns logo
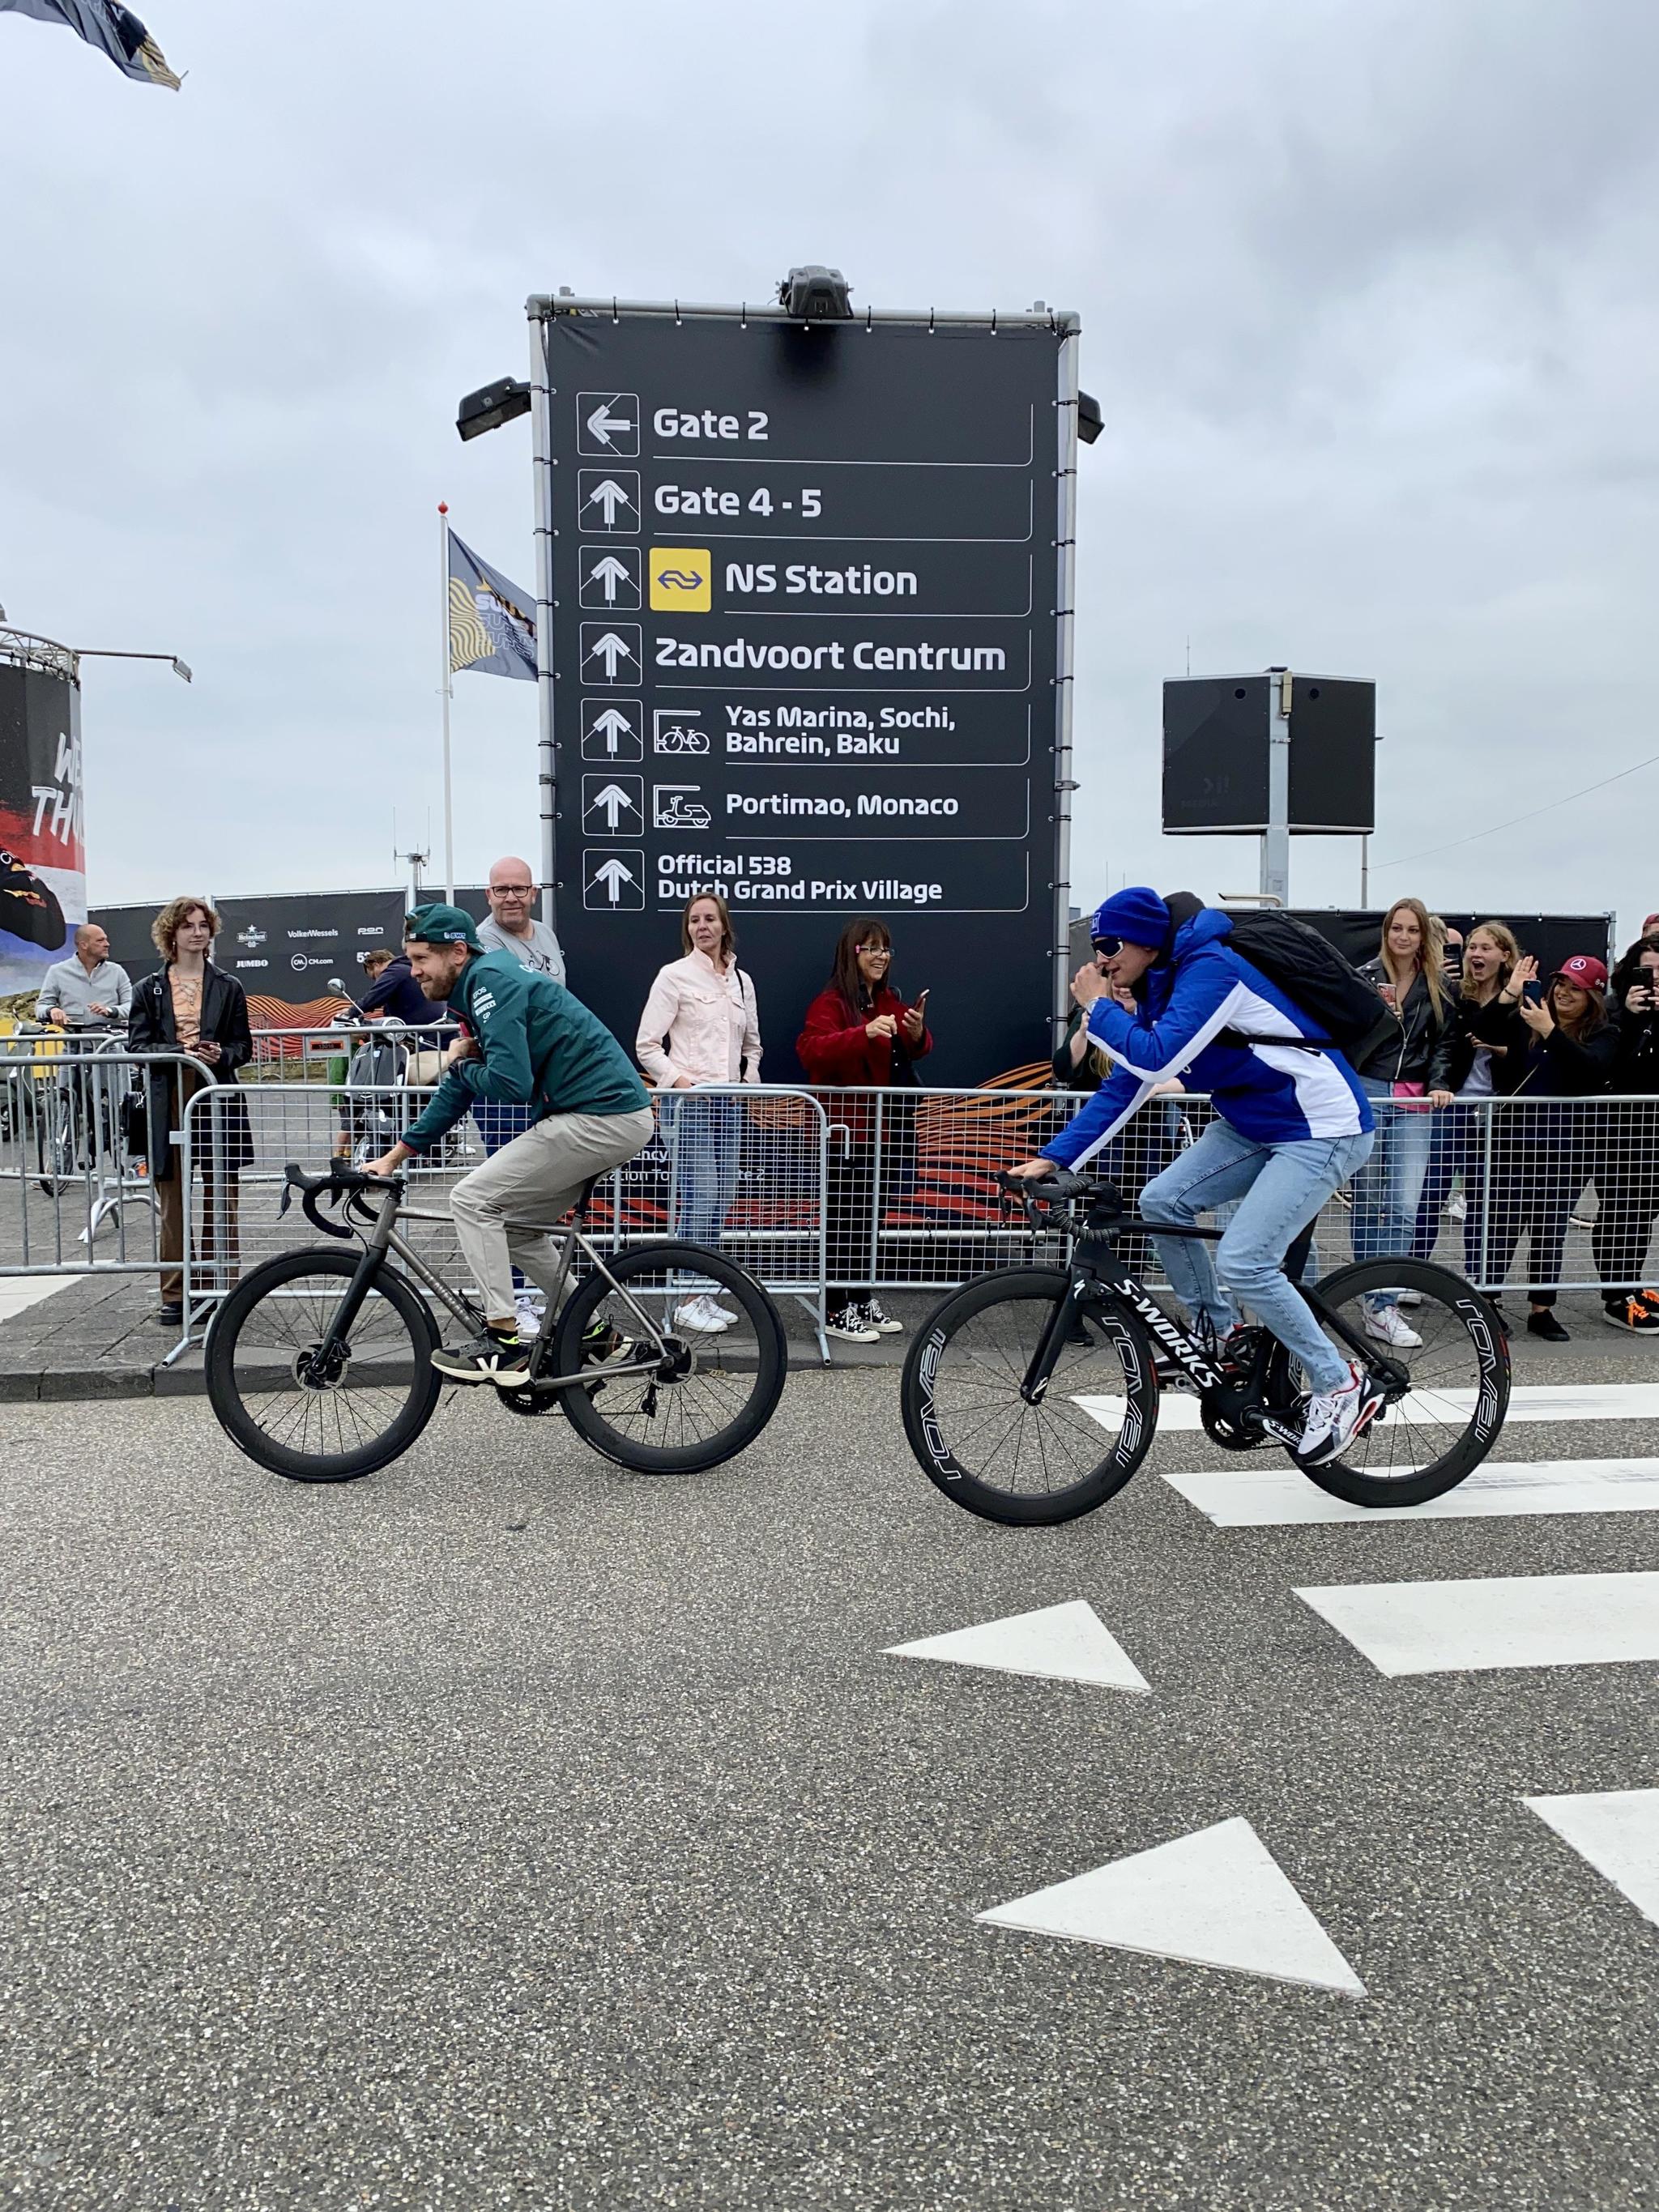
680	578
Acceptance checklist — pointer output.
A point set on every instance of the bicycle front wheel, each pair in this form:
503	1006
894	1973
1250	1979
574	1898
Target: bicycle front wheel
312	1416
984	1445
1438	1428
713	1391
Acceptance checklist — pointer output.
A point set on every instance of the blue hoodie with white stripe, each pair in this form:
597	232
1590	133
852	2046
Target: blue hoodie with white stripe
1272	1093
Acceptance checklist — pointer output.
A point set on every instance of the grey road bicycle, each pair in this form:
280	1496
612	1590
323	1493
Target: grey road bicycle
319	1362
1031	1395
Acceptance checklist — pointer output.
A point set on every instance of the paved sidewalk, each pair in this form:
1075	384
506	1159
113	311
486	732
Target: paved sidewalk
98	1336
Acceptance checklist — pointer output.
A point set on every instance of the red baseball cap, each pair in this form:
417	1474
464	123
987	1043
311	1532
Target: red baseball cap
1651	918
1583	969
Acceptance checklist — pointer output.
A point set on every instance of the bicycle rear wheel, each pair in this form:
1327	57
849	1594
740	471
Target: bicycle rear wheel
1431	1434
317	1420
707	1397
979	1441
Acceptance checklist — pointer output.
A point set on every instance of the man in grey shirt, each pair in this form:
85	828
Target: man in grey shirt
512	926
88	990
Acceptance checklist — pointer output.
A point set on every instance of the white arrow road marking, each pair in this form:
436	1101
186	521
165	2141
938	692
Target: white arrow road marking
1218	1898
1618	1832
1059	1643
1496	1621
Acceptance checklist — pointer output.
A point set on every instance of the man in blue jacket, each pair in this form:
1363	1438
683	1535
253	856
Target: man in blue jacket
530	1044
1293	1125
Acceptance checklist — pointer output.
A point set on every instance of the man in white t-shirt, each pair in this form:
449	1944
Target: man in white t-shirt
514	926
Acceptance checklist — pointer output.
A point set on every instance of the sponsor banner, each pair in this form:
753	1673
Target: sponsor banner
43	884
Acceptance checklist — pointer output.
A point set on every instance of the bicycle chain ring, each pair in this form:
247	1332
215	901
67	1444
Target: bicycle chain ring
528	1400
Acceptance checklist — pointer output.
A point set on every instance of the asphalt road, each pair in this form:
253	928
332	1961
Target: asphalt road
506	1830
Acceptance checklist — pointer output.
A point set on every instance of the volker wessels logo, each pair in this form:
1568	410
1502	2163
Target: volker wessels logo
250	937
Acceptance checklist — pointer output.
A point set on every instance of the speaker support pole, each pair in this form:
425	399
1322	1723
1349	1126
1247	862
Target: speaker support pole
1276	840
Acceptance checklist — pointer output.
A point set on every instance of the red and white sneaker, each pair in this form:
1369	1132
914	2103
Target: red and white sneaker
1335	1417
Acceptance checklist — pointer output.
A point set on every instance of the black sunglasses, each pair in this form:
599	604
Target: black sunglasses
1108	948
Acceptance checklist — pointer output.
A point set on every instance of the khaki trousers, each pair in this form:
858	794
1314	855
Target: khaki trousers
504	1209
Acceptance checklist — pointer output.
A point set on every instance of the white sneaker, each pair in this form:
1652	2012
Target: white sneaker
529	1307
1334	1418
1409	1299
850	1326
700	1316
1387	1325
877	1318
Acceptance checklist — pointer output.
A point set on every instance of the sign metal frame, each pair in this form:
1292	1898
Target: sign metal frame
542	309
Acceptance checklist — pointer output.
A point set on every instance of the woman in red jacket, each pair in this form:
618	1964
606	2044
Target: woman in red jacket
860	1033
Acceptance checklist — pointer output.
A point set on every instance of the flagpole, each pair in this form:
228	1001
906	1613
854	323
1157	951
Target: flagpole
444	688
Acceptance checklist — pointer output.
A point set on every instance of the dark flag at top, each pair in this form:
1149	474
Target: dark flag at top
113	30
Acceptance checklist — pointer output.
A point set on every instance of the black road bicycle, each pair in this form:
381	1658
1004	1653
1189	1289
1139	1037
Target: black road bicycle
1031	1395
319	1362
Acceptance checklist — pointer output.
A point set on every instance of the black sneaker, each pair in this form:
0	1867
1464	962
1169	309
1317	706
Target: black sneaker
489	1359
1633	1313
1546	1325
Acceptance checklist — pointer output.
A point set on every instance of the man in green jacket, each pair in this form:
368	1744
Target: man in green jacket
530	1044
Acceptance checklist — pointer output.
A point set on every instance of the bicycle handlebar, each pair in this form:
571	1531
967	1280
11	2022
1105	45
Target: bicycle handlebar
1105	1200
343	1182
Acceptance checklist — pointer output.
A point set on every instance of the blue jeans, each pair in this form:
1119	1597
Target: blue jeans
1280	1189
1388	1188
704	1136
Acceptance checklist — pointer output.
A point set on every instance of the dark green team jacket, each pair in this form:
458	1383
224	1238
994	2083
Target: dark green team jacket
542	1048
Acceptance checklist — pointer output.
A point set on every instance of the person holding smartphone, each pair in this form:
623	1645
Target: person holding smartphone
1559	1041
1627	1150
1404	1067
859	1033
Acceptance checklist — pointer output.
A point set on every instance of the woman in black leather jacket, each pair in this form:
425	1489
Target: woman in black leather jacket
1404	1067
1628	1161
1558	1048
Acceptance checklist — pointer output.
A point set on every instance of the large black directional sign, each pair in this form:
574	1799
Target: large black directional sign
807	640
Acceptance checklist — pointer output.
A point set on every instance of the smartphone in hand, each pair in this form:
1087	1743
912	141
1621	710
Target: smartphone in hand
1533	992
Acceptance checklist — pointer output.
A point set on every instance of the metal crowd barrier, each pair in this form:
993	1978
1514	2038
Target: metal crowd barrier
740	1167
818	1192
74	1199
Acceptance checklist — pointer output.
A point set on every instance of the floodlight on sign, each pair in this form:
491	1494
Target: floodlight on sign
1088	420
488	409
814	294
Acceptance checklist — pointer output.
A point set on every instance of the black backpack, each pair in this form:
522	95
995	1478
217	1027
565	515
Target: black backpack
1313	975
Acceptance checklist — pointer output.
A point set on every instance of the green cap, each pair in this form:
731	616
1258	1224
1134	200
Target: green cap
438	924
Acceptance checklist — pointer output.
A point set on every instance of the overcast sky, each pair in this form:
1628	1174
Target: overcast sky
1368	300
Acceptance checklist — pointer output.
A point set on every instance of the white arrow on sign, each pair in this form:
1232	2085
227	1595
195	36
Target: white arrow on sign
602	422
610	802
613	875
610	649
610	725
609	496
609	571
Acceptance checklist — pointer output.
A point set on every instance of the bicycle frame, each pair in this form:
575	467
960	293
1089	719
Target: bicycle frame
383	1242
1088	1277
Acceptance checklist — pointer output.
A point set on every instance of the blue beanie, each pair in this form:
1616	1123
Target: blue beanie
1138	915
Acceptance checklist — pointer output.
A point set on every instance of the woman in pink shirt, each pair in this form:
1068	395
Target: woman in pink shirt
701	1026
